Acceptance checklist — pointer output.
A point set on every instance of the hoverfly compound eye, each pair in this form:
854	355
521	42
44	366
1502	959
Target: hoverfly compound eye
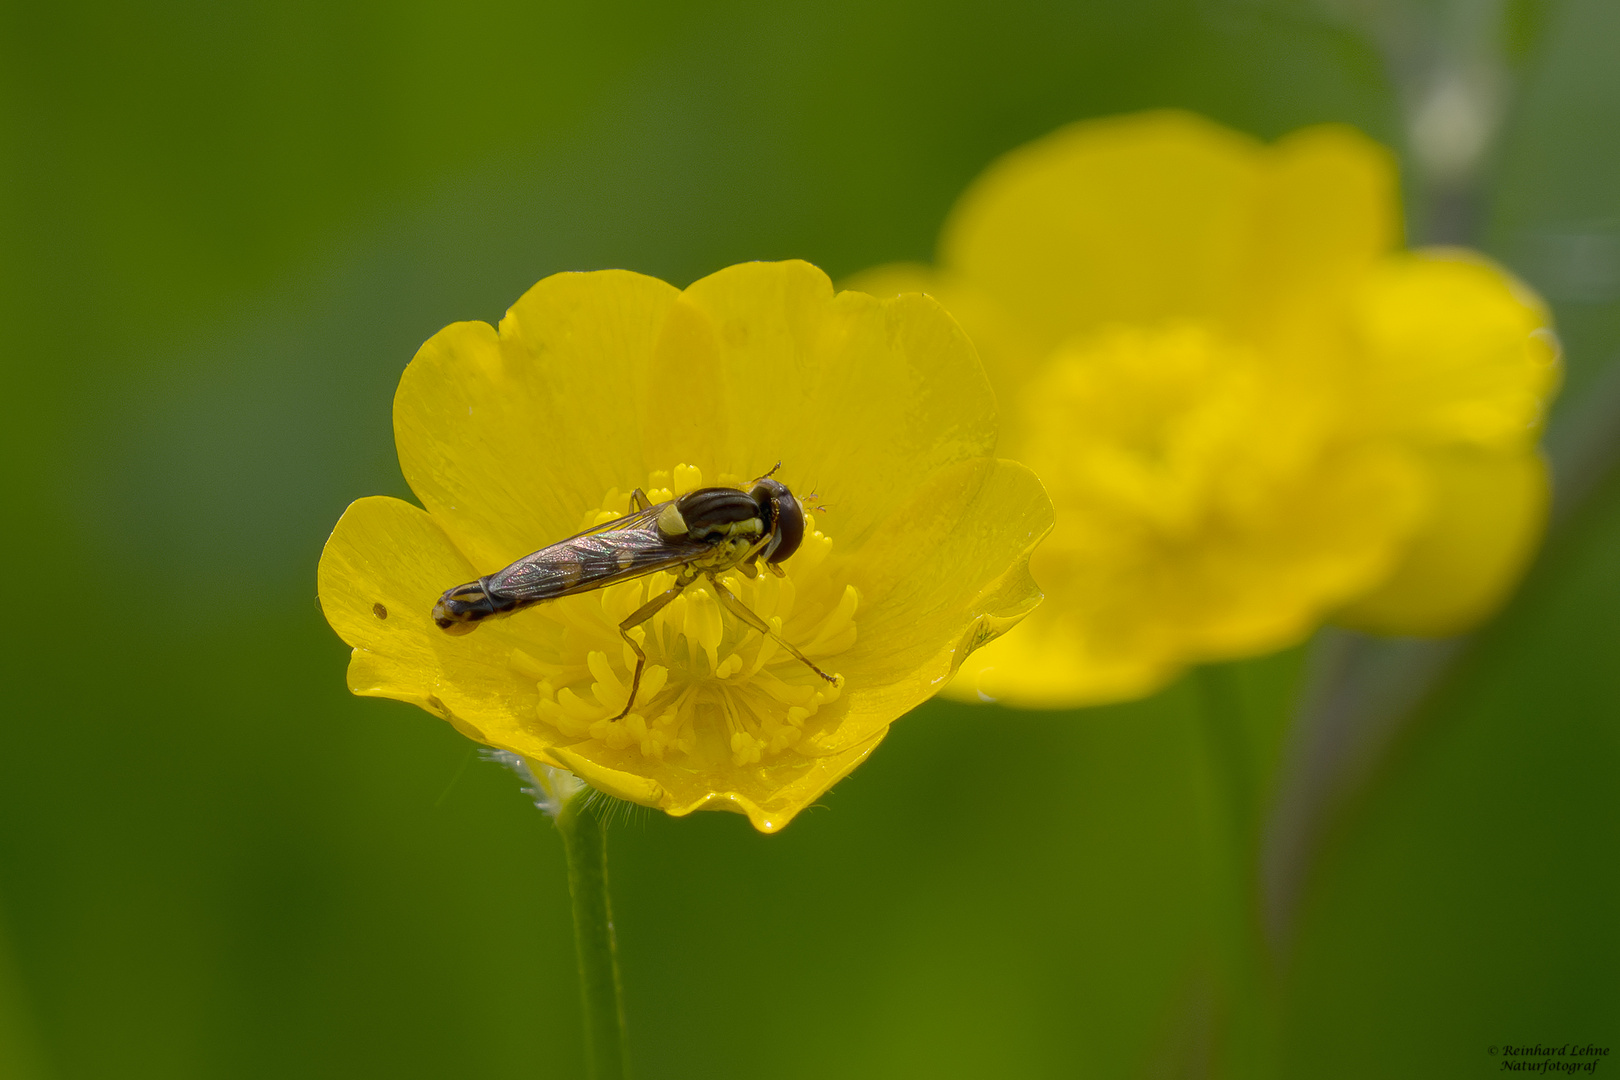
786	517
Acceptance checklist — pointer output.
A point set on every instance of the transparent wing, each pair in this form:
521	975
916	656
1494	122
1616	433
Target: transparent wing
634	520
593	560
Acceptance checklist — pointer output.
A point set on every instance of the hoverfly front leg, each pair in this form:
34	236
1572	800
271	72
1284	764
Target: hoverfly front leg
743	612
635	619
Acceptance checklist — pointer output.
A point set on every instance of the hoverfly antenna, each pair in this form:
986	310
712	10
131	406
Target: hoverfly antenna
770	474
809	502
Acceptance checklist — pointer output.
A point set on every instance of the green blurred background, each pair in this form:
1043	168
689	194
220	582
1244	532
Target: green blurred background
224	230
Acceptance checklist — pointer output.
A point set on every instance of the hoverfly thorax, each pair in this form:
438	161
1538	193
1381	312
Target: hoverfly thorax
711	514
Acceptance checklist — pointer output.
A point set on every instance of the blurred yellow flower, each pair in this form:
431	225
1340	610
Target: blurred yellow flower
599	383
1251	410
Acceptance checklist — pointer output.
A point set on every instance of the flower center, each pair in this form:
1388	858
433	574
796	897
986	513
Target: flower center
713	688
1173	429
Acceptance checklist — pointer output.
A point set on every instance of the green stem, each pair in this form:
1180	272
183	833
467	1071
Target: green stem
586	843
1222	710
1249	1023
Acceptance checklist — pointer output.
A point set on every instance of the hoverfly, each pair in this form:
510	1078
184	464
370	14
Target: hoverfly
700	534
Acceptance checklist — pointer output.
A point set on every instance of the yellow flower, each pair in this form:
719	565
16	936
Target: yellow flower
596	384
1252	411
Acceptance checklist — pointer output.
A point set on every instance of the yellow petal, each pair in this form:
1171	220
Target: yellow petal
946	575
1454	351
1008	349
508	438
1326	210
860	399
1137	218
1487	513
380	573
892	279
1161	217
1047	662
1128	607
770	797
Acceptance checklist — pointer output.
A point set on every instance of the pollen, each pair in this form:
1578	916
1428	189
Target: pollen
715	692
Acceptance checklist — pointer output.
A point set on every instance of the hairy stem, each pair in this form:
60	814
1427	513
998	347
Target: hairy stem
586	842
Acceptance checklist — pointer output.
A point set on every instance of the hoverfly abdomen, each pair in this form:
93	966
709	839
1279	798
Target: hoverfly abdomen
461	609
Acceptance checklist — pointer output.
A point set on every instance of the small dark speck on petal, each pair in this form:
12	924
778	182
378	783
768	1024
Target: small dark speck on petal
379	611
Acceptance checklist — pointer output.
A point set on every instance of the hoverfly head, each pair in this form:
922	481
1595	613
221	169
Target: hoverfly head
784	518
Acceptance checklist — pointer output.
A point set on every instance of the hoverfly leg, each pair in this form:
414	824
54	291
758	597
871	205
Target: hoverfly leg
635	619
639	501
742	611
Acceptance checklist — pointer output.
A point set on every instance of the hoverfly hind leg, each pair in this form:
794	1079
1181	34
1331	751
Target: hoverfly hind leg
639	500
635	619
746	614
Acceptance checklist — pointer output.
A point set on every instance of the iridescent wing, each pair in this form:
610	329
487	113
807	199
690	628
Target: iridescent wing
615	551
